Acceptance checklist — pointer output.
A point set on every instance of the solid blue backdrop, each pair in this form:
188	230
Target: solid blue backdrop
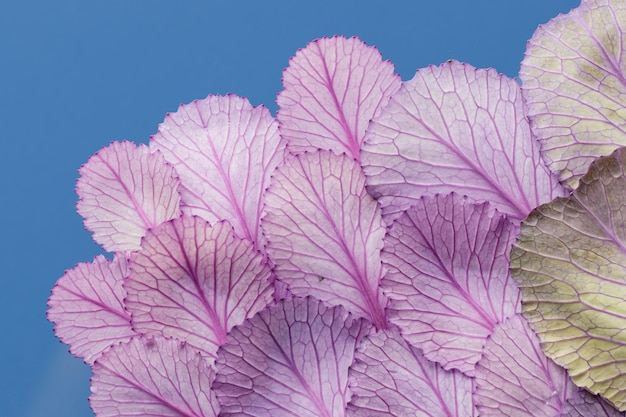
75	75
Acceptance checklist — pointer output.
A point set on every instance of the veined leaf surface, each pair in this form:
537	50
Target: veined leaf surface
570	263
573	81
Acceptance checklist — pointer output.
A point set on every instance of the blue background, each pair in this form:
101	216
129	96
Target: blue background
75	75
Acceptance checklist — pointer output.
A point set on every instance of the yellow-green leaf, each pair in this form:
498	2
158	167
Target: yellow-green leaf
573	82
570	263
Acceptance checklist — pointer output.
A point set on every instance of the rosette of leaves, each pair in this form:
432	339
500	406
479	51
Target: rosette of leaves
351	257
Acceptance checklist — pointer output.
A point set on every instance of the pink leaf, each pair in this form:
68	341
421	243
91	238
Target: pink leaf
448	277
585	404
87	307
124	190
515	378
333	88
325	233
291	359
391	378
224	151
194	282
454	128
153	377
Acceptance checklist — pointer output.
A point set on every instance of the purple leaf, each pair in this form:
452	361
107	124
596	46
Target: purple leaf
333	88
291	359
194	282
515	378
584	404
573	82
125	190
325	233
391	378
454	128
87	307
224	151
153	377
448	277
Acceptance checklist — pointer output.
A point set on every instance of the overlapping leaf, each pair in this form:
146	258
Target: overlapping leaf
194	282
224	151
291	359
333	88
124	190
87	307
584	404
325	233
573	80
153	378
448	277
392	378
454	128
570	262
514	378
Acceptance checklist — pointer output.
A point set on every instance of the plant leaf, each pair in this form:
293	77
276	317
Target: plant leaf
448	277
194	282
584	405
514	378
454	128
573	82
570	263
325	233
291	359
87	307
153	378
392	378
333	88
224	151
125	190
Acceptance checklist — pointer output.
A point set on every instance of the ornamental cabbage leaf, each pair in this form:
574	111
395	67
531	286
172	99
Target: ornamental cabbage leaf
448	277
454	128
573	81
333	88
194	282
153	377
570	263
87	307
291	359
125	190
514	378
325	233
392	378
224	151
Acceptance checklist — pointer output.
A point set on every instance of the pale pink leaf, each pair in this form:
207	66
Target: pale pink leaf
194	282
333	88
456	128
153	378
515	378
391	378
291	359
325	233
448	277
87	307
125	190
224	151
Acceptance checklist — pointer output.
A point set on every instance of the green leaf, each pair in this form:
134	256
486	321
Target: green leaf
570	263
